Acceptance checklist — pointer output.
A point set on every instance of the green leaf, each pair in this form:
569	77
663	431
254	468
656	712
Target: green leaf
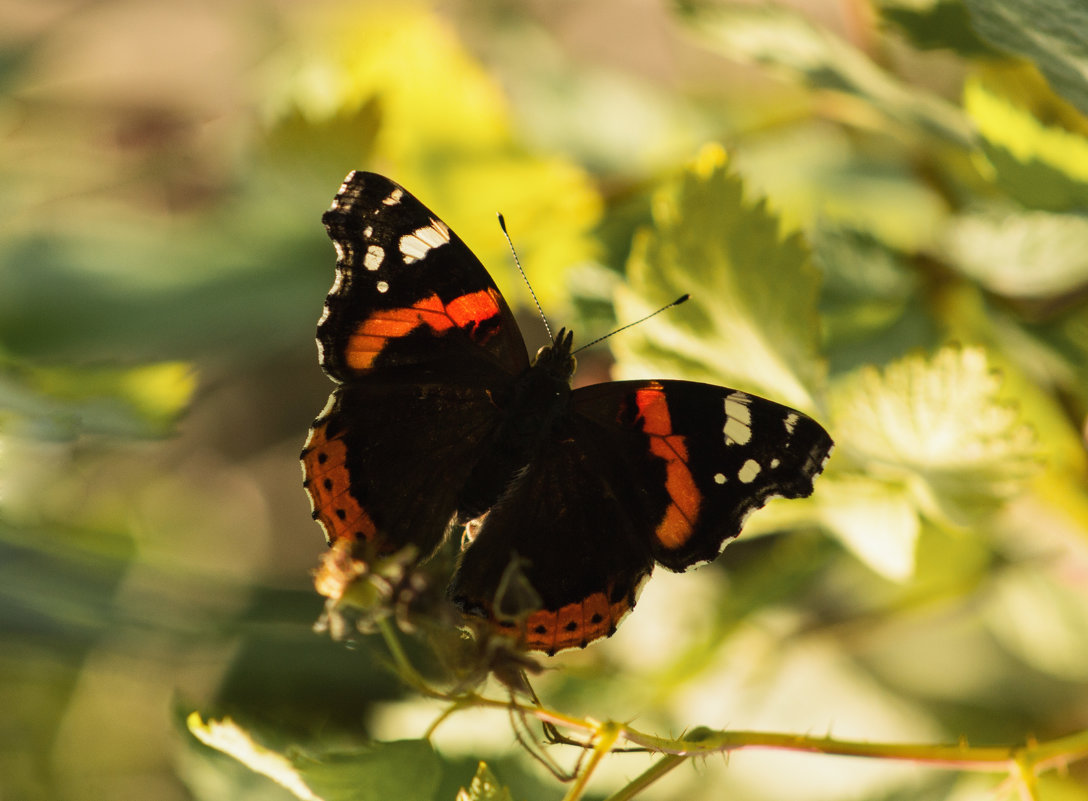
484	787
939	428
751	321
1024	255
1051	33
867	287
1040	165
408	769
787	42
64	402
935	24
814	174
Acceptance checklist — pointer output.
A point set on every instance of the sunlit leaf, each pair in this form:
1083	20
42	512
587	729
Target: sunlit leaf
784	40
1051	33
1041	165
877	521
939	428
816	174
227	736
751	321
484	787
407	769
438	124
1030	255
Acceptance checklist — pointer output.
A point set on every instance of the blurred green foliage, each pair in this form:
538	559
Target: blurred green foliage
888	229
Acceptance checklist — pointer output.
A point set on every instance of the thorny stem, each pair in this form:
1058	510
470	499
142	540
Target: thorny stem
607	734
1021	763
648	777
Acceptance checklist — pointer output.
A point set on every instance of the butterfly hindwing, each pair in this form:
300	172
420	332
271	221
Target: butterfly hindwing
364	484
571	527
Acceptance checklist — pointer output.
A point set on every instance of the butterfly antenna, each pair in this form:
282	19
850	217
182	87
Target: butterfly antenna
525	278
683	298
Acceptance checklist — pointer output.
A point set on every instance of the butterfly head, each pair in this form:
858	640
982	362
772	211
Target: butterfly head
557	358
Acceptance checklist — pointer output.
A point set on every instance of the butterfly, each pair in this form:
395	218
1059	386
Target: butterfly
440	423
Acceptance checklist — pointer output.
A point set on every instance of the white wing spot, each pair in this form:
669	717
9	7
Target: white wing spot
394	197
368	232
775	463
719	478
383	286
791	422
748	471
738	419
419	243
375	255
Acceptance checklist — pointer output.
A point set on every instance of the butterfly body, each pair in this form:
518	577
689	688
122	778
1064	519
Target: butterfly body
439	419
538	400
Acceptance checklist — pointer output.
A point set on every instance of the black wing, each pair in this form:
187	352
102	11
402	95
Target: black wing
385	463
704	457
573	527
418	337
408	292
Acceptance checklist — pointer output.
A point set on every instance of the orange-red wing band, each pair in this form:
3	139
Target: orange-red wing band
572	626
676	526
372	335
327	483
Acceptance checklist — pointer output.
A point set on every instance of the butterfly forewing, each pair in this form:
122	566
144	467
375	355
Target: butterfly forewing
720	454
408	292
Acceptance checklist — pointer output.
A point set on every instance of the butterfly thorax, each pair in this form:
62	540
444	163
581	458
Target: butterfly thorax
538	400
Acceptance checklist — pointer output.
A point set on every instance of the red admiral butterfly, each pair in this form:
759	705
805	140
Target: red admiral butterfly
439	419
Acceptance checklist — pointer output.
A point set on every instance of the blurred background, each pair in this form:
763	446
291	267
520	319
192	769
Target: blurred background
878	205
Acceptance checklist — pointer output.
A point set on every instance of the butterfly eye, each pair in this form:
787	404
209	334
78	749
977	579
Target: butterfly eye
542	352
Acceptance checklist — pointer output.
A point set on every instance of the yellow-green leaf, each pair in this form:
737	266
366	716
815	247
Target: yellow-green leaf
429	116
1051	33
787	42
227	736
1035	254
938	427
751	321
484	787
877	521
408	770
1041	165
